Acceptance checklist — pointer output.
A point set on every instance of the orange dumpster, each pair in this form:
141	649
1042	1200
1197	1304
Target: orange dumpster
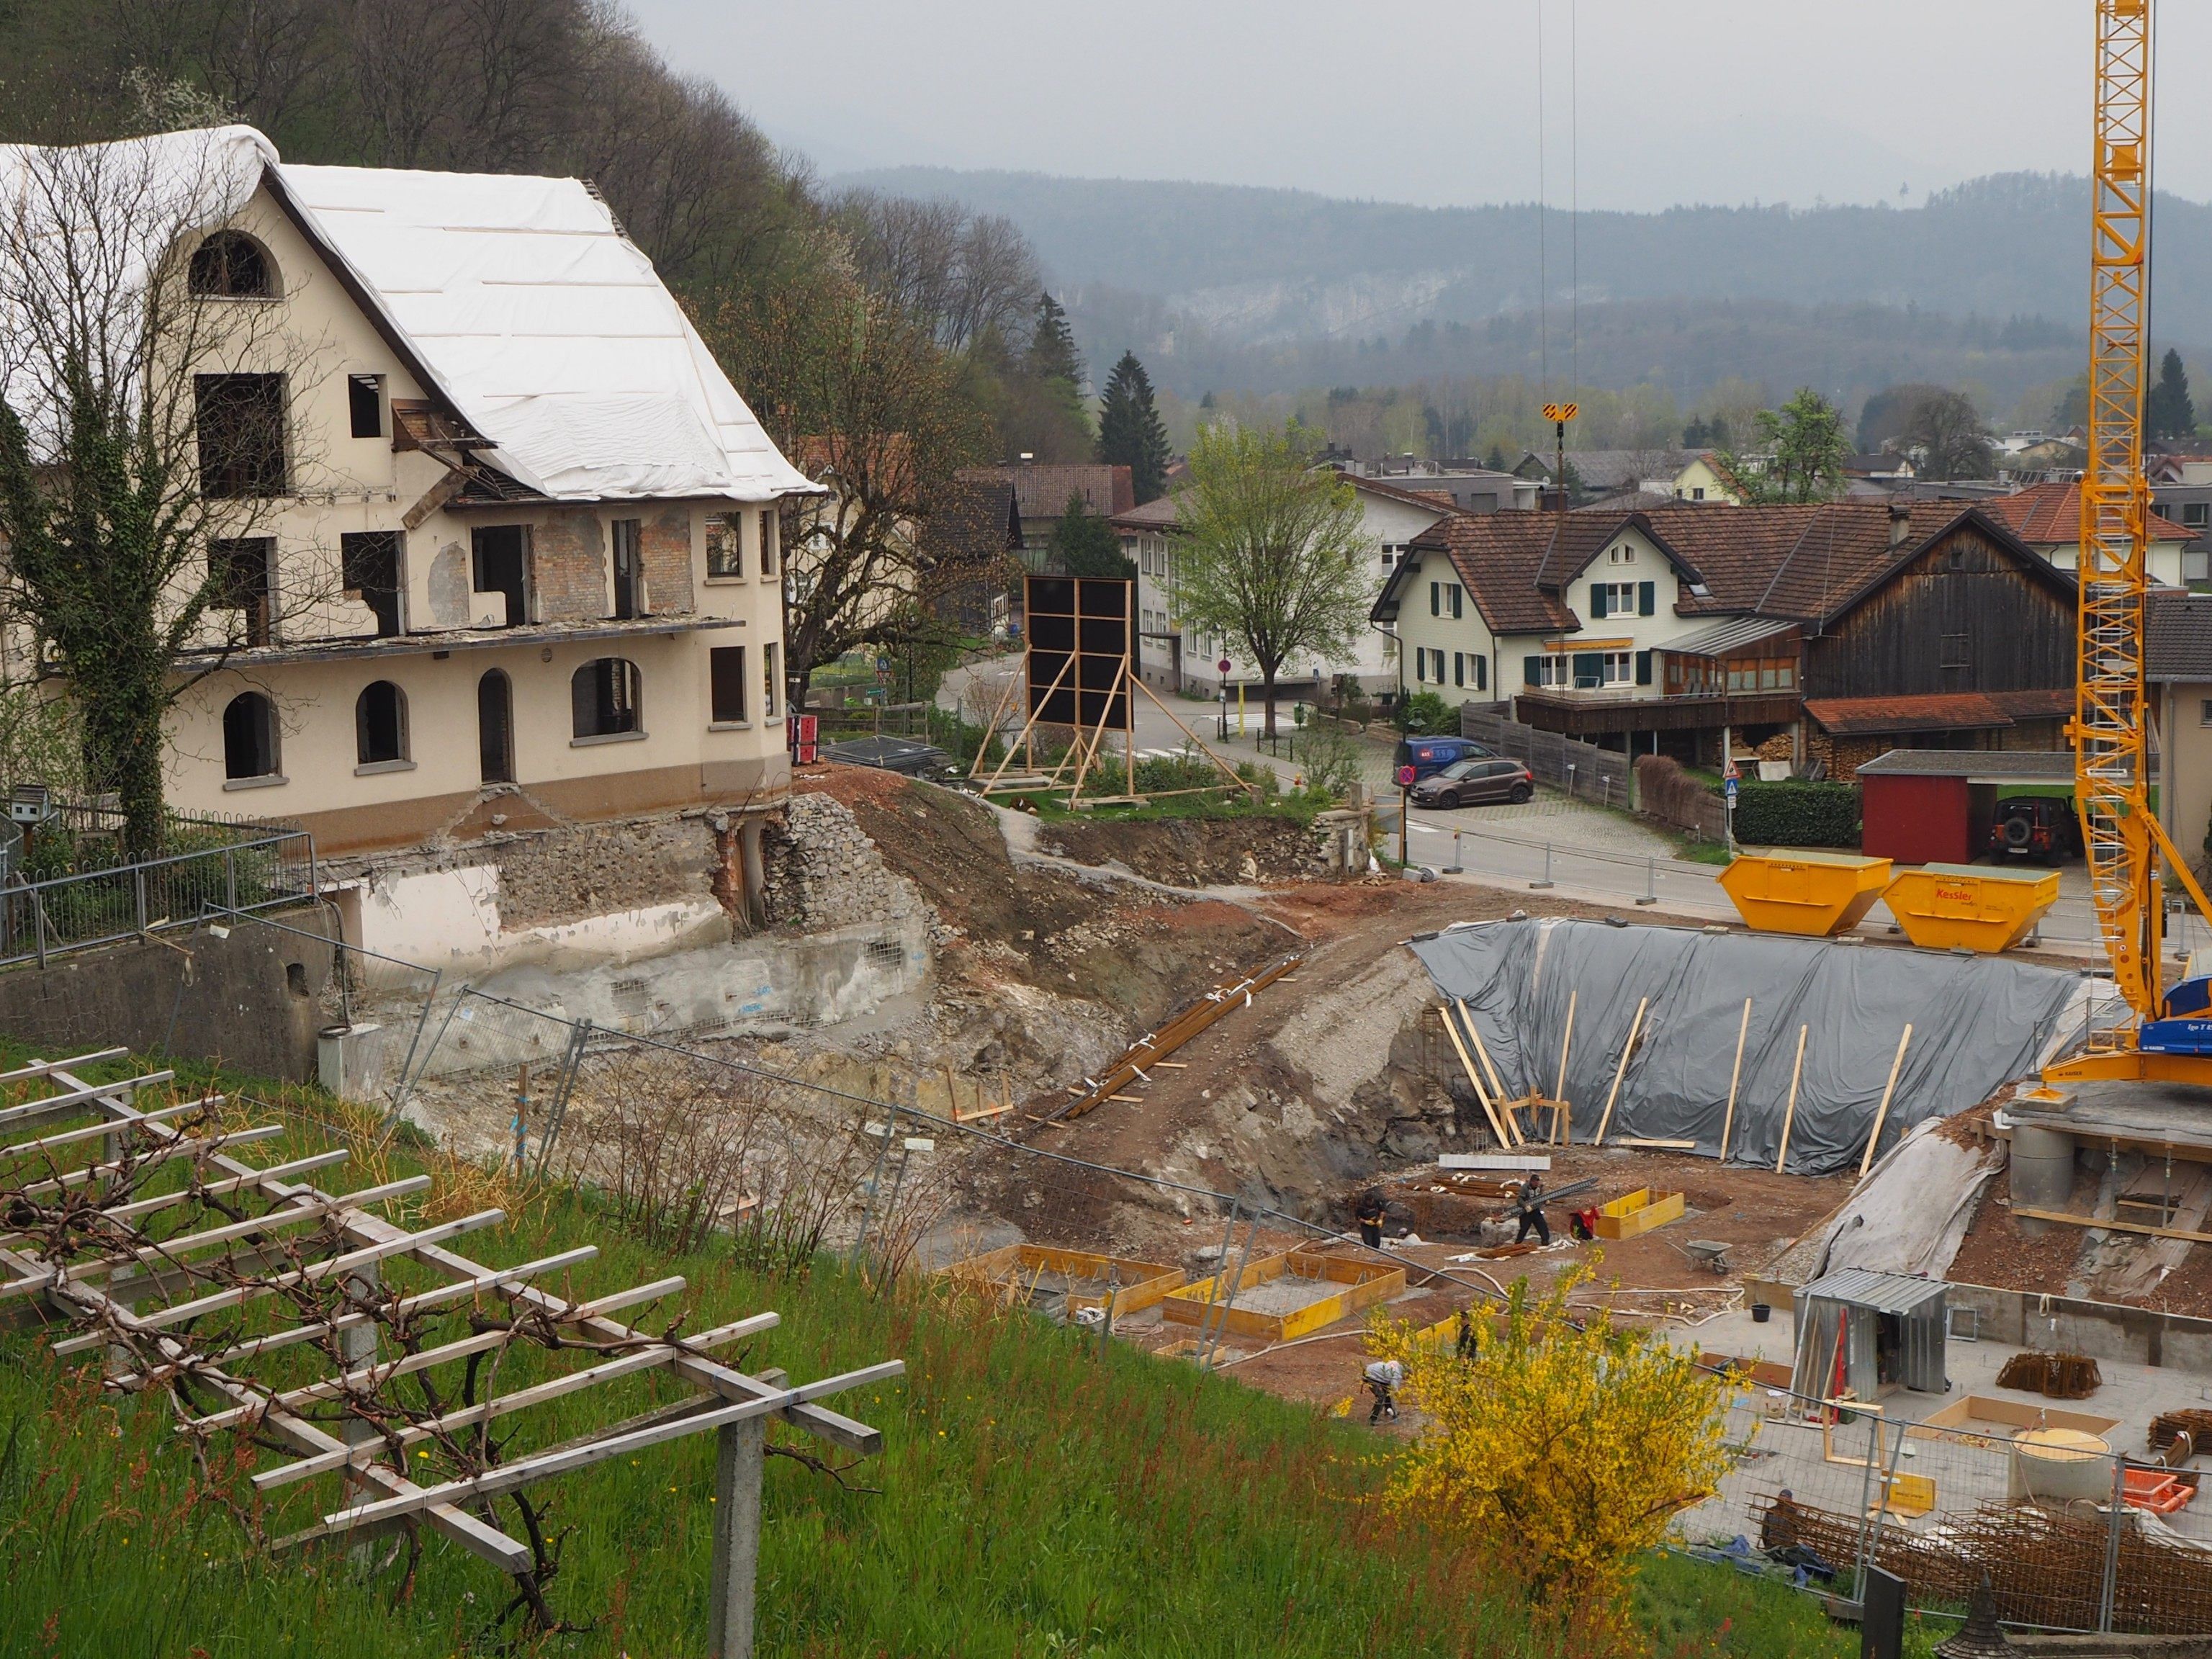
1813	894
1946	907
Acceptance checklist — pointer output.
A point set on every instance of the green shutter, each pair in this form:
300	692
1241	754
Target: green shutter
1647	598
1597	601
1644	663
1436	598
1531	670
1589	667
1482	673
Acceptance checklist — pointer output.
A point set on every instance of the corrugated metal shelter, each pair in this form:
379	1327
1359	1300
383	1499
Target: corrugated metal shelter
1861	1332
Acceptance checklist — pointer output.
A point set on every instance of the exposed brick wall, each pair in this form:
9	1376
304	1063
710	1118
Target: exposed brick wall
568	566
664	542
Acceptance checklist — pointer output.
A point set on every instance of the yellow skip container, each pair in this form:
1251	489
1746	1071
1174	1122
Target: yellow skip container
1813	894
1945	906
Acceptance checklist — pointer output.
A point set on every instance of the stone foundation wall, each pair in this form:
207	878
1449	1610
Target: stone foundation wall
825	871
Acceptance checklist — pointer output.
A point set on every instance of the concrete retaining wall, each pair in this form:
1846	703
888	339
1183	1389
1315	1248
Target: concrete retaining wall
253	1001
2103	1330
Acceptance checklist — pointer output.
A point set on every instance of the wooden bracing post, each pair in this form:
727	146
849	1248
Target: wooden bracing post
1451	1029
1029	724
1789	1115
1735	1075
1620	1071
1496	1086
1566	1041
1881	1115
1014	681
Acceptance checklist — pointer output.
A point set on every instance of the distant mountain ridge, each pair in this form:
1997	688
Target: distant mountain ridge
1291	271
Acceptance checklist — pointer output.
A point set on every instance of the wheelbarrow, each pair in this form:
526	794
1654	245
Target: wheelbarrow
1707	1252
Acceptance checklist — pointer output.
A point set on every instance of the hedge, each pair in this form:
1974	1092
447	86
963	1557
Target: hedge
1797	814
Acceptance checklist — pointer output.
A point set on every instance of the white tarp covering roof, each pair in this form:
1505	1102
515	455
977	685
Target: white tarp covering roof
543	325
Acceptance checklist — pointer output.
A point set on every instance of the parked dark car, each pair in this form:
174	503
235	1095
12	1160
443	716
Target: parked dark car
902	755
1429	755
2039	827
1471	783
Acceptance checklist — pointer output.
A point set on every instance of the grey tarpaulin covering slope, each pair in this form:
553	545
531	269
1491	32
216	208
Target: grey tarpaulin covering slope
1977	1024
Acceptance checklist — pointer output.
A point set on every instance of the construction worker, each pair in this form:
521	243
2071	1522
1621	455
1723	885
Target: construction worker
1466	1344
1370	1214
1529	1205
1383	1378
1779	1541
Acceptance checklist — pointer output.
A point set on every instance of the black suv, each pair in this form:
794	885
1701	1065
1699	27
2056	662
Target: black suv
2039	827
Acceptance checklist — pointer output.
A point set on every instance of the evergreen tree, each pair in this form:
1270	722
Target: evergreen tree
1083	544
2170	413
1130	432
1052	353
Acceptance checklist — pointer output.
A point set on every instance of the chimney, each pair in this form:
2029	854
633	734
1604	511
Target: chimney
1900	523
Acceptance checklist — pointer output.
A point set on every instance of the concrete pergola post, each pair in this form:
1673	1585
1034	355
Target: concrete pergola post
740	1452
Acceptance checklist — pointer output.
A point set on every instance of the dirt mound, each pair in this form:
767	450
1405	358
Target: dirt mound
1193	852
1141	954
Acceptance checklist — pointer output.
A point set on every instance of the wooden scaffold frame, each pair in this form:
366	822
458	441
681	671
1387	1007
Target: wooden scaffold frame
78	1246
1087	754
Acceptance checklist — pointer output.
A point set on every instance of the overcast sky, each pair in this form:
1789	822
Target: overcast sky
1679	101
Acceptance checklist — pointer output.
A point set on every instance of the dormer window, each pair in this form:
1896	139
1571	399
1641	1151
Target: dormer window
231	266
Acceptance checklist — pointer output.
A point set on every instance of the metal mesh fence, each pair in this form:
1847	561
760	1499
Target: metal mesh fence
1948	1509
242	873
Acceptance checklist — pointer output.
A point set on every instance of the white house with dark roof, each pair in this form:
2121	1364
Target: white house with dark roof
514	559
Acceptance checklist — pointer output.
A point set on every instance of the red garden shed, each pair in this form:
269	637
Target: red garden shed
1934	805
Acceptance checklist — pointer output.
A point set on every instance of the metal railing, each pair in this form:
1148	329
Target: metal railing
41	920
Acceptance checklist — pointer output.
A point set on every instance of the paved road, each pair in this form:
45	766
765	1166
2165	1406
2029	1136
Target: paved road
1586	851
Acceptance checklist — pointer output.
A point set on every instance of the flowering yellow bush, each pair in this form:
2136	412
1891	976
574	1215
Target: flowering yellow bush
1561	1448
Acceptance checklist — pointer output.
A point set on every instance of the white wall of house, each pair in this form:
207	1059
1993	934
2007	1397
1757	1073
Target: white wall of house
338	482
1625	598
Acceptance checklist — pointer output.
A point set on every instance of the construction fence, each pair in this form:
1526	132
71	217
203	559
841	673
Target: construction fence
1946	1508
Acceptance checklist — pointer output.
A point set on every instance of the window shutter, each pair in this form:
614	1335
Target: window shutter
1436	598
1532	673
1459	594
1643	663
1647	598
1589	666
1597	601
1481	673
1459	668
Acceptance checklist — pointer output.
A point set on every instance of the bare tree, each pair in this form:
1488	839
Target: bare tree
960	275
144	438
863	399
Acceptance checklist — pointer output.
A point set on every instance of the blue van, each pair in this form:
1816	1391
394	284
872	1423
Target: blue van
1429	755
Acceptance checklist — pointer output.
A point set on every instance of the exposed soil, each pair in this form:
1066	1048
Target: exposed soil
1141	953
1193	852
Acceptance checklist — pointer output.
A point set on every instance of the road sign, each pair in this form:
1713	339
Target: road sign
1730	784
1404	777
1561	412
1222	664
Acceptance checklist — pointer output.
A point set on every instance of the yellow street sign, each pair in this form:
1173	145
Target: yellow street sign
1561	412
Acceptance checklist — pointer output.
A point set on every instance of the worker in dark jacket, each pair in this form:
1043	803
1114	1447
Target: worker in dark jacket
1370	1213
1530	1206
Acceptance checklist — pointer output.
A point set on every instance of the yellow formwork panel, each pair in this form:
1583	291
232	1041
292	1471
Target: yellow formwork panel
1138	1285
1638	1212
1810	894
1366	1283
1944	906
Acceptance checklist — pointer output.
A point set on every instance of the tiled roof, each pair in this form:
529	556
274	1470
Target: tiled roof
1608	469
1160	514
2049	514
1940	711
1975	765
1042	489
1795	563
974	521
2177	635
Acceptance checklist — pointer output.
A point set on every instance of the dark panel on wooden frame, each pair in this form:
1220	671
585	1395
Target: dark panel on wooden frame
1081	632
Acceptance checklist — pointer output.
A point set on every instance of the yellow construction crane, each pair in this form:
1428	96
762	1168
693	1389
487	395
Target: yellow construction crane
2162	1034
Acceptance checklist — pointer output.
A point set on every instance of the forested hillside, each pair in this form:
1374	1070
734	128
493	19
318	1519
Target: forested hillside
1274	290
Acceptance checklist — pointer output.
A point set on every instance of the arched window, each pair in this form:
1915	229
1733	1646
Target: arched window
603	695
249	737
230	265
379	724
